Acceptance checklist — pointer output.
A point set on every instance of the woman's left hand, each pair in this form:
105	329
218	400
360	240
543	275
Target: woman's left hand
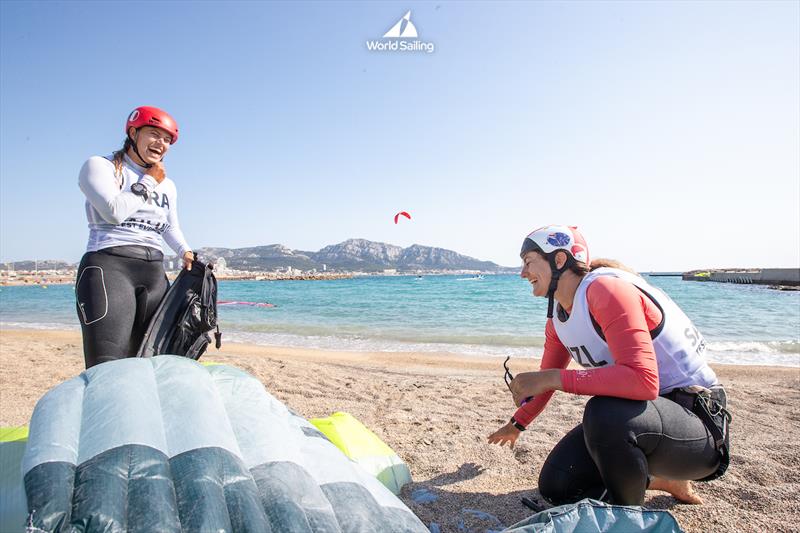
507	434
529	384
188	257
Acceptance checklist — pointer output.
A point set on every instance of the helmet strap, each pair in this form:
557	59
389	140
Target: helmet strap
555	275
136	151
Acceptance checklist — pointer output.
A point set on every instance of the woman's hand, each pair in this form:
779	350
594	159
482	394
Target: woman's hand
507	434
188	257
528	384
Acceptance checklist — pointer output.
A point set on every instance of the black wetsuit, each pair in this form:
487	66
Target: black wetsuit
117	291
619	444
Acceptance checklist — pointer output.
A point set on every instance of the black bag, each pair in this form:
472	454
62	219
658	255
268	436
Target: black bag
185	316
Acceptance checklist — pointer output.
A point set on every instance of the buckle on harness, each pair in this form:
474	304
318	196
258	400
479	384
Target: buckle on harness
715	416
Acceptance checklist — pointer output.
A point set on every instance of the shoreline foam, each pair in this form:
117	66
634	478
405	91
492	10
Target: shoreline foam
785	354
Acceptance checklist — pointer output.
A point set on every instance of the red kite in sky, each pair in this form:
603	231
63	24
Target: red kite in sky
401	213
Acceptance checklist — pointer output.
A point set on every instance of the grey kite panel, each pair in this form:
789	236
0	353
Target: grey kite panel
166	444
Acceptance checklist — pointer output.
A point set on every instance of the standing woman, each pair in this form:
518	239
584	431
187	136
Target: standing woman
657	415
131	205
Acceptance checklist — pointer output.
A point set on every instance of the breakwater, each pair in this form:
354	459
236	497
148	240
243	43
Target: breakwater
782	277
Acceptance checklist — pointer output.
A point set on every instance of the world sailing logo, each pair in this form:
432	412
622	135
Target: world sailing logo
403	28
397	39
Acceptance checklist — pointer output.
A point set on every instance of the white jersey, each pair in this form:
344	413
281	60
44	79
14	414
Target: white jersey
118	217
678	344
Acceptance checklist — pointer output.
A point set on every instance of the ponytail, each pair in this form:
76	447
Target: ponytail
119	156
581	269
610	263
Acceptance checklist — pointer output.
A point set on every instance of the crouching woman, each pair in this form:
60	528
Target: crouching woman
657	416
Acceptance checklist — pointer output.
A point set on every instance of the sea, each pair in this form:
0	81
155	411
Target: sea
495	315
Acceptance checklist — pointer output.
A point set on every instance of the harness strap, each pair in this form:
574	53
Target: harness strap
703	408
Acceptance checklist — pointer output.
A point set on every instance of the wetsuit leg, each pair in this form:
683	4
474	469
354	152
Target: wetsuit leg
628	440
106	306
569	473
151	287
113	319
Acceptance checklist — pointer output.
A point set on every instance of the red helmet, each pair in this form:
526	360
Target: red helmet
152	116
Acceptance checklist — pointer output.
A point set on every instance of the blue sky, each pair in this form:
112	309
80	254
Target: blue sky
668	132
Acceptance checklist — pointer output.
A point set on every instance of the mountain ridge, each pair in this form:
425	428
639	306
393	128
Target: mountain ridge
354	255
360	255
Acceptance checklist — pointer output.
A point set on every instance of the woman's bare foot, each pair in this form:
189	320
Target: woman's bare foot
681	489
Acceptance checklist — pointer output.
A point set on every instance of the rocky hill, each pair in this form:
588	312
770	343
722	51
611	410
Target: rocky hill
352	255
262	258
355	255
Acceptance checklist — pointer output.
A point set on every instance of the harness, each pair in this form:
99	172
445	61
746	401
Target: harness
709	405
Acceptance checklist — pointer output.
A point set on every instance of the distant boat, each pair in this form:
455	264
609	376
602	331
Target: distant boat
477	277
252	304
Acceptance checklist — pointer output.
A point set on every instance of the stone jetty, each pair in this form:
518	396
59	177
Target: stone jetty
778	277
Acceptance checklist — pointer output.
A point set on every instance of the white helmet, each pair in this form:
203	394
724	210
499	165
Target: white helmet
551	239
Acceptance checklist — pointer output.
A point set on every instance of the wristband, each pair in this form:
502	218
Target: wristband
517	424
140	189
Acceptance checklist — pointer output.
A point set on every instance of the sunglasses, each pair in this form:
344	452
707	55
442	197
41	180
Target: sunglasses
508	376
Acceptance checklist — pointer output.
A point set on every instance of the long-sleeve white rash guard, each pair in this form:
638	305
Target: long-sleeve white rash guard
117	217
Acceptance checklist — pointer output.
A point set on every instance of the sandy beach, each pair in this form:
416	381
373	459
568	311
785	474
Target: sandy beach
436	410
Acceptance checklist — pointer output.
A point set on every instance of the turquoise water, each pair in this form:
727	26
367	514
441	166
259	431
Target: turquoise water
743	324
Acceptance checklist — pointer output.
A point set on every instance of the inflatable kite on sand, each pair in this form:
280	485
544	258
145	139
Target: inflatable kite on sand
166	444
365	448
